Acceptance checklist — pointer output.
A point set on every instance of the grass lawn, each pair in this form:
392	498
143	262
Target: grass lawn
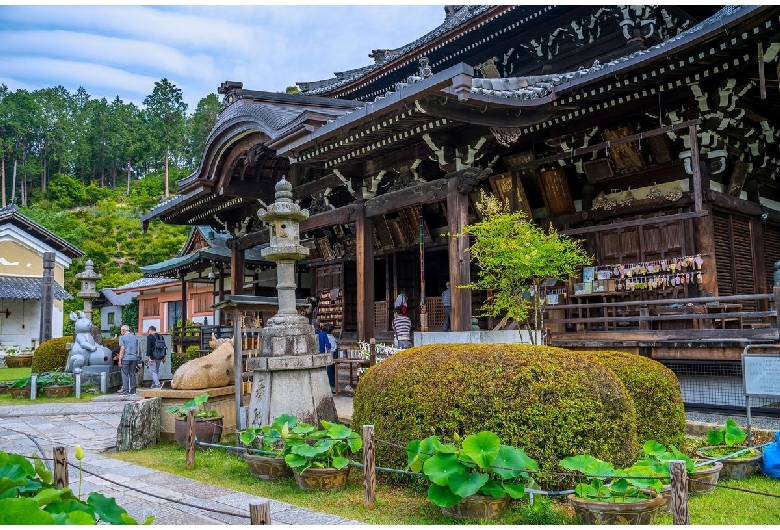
407	503
11	374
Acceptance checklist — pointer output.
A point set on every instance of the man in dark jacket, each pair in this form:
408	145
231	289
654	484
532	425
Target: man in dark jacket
151	355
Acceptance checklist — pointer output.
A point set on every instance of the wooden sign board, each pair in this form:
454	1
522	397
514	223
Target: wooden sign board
761	374
555	192
626	157
501	185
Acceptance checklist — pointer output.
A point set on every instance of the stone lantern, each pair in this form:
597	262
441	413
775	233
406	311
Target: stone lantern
88	290
288	377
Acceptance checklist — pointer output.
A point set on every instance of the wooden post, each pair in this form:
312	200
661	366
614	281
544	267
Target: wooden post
696	188
704	239
364	250
776	292
644	324
190	442
460	266
679	492
372	350
260	513
369	467
60	467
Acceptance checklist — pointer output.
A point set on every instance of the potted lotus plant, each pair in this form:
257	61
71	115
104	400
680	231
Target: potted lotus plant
319	458
56	384
208	422
613	496
265	448
474	477
21	388
16	358
728	441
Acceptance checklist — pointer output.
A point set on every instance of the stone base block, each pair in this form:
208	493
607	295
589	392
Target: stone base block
303	393
221	399
471	337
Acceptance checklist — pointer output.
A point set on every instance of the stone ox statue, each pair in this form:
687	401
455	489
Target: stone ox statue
210	371
85	351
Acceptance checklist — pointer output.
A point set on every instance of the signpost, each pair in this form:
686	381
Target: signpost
760	376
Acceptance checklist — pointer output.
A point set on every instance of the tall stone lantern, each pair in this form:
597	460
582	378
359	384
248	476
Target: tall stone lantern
289	374
88	290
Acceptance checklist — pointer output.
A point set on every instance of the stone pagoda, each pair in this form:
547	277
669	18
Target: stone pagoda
289	375
88	292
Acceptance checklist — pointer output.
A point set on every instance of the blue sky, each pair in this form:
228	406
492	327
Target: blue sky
122	50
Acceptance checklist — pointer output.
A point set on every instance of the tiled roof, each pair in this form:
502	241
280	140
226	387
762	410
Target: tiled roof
119	300
145	282
219	251
11	214
463	15
18	288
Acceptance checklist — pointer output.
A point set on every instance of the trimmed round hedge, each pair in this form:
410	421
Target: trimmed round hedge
655	390
51	355
551	402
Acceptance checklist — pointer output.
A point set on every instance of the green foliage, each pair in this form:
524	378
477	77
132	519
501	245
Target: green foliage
55	378
306	446
549	401
51	355
178	359
23	382
29	496
194	404
65	191
730	434
515	256
480	464
655	390
623	486
268	438
130	313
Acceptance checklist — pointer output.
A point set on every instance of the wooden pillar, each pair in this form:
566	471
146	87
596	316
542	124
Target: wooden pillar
237	270
704	239
364	228
460	272
183	302
696	185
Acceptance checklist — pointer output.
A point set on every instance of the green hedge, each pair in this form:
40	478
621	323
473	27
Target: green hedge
655	389
53	355
551	402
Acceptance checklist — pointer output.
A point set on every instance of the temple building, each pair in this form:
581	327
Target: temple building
646	131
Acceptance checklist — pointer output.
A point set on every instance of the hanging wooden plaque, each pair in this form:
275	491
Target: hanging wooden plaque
383	232
501	185
626	157
323	245
397	232
555	192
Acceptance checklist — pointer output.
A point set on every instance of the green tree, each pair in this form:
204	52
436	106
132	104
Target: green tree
165	119
200	125
515	256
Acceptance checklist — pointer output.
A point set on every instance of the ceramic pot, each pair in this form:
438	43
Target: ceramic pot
4	386
735	468
704	480
328	478
478	507
57	391
208	430
18	361
620	513
20	392
267	467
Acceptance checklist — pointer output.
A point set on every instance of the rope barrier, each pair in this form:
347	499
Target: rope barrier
762	493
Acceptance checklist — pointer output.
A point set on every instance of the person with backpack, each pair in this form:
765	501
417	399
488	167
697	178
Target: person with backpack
156	351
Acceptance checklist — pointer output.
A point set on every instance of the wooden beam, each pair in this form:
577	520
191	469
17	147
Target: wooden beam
391	161
340	216
421	193
603	145
660	219
237	271
460	271
761	76
735	204
311	188
364	239
696	177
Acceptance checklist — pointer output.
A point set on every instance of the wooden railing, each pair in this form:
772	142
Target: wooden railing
720	317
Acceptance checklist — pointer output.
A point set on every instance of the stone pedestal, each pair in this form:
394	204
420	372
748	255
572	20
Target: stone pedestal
220	399
290	384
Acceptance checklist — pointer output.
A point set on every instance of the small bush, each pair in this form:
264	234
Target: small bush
177	359
551	402
658	401
51	355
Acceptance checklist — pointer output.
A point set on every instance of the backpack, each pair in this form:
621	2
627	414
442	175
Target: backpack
160	348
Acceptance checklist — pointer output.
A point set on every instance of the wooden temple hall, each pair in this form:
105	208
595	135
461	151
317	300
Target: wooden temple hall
651	132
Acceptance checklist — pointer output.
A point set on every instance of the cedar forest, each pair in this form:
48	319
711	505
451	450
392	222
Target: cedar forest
87	169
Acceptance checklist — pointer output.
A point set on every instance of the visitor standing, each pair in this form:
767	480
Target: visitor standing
402	329
323	347
446	301
400	301
128	360
156	351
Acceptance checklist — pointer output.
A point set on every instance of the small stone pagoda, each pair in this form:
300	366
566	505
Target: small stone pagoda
289	375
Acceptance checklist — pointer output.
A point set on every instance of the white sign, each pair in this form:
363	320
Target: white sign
761	374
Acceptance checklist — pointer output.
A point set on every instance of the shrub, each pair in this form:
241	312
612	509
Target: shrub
177	359
655	390
51	355
551	402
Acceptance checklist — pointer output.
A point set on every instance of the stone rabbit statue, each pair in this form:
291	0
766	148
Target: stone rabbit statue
85	351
